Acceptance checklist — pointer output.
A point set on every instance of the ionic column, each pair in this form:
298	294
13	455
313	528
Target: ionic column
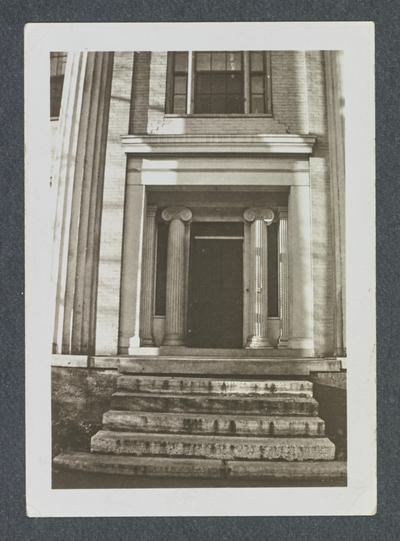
283	280
300	277
146	320
260	219
175	295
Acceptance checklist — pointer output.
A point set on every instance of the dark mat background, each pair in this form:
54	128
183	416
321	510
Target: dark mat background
14	524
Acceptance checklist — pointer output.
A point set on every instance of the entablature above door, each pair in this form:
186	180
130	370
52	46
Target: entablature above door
194	144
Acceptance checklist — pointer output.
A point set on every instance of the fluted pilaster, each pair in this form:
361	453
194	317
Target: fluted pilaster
175	295
259	219
283	280
147	293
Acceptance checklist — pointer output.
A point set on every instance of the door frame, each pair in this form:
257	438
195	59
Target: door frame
245	271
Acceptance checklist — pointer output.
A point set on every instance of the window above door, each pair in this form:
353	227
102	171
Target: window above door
216	83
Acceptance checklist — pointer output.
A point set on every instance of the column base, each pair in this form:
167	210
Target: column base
173	341
283	343
127	344
147	342
258	342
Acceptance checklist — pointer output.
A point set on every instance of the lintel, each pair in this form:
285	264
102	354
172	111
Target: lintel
219	144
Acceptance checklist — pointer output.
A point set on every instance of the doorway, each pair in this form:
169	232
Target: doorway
215	308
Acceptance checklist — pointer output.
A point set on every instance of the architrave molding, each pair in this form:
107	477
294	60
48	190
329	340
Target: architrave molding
219	144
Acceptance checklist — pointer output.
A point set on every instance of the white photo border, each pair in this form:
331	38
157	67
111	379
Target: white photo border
356	39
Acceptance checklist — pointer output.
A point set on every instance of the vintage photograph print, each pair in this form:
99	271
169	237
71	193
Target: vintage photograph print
198	267
199	237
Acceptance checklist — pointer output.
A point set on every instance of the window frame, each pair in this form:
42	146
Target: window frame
58	60
246	90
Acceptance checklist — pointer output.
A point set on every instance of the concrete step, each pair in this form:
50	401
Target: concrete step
222	366
192	423
201	385
219	447
200	468
259	405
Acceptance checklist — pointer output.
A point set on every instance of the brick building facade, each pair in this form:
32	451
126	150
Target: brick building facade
199	231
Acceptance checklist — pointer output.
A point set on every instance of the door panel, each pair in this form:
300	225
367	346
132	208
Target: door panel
216	293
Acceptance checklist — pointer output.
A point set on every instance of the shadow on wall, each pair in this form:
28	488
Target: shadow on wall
79	399
332	399
140	92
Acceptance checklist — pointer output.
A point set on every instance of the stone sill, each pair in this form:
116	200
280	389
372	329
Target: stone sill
84	361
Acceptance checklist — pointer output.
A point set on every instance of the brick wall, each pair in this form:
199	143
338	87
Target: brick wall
289	100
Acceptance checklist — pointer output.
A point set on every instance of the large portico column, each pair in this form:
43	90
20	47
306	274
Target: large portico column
175	295
79	175
260	219
300	270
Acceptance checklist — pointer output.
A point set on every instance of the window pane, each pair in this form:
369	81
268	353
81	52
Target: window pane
202	104
218	62
203	61
217	104
234	62
257	104
180	84
203	83
257	84
234	83
180	105
181	61
257	61
234	104
57	63
218	83
56	88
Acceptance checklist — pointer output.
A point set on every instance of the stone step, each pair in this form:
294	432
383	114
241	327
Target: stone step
201	385
191	423
259	405
222	366
214	447
199	468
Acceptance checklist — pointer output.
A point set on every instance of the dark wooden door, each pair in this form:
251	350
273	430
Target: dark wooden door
216	293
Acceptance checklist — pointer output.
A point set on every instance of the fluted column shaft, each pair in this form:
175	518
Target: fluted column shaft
259	219
283	280
147	301
175	294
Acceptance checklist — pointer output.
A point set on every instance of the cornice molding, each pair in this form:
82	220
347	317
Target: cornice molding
218	144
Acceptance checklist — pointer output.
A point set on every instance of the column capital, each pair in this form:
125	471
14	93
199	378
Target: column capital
176	213
282	214
259	213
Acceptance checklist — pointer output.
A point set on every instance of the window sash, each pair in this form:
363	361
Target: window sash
255	83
